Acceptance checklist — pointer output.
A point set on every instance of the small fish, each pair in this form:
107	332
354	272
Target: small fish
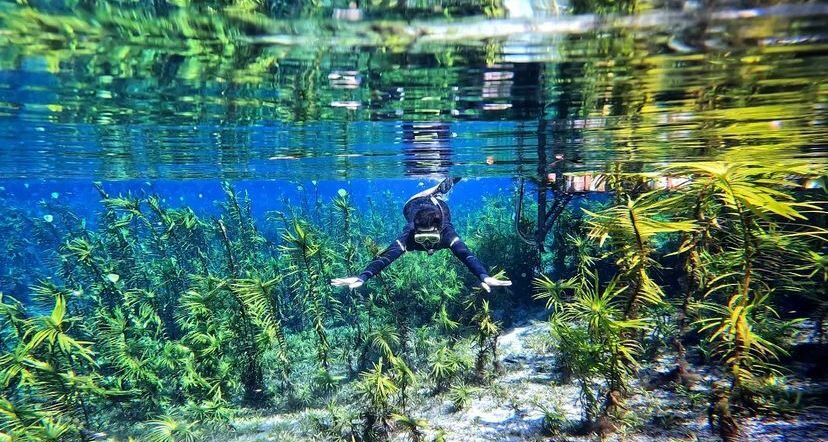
26	185
313	182
181	198
342	192
300	188
48	218
55	195
113	277
200	195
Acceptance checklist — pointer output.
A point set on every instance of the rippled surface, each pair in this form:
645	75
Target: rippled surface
179	92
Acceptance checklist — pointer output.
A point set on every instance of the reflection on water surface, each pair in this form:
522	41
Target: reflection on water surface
204	91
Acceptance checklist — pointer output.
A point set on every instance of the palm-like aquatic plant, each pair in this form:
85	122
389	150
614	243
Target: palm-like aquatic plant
305	253
258	298
487	332
413	426
749	201
554	293
460	395
446	366
158	313
377	388
632	228
169	429
593	337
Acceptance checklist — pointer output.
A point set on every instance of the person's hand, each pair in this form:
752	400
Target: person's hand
352	283
490	282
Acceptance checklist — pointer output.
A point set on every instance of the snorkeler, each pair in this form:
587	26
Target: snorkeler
428	229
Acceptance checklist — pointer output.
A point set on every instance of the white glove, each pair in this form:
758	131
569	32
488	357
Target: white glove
490	282
352	283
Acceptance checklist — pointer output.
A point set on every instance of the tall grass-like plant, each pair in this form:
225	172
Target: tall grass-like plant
758	238
632	227
258	298
487	332
169	429
353	310
377	388
593	337
307	271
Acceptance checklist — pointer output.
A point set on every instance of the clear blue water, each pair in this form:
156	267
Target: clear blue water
324	117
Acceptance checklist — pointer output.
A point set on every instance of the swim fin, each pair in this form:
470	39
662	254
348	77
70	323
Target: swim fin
445	186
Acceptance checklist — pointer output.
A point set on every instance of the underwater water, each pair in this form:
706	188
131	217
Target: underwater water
203	235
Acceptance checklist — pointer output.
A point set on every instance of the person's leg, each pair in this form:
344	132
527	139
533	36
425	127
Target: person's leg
445	186
440	189
411	207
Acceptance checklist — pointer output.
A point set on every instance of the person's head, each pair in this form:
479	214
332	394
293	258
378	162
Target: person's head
428	218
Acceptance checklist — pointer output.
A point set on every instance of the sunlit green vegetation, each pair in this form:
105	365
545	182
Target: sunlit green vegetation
165	324
162	324
744	245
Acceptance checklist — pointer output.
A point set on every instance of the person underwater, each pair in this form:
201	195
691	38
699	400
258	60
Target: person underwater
428	229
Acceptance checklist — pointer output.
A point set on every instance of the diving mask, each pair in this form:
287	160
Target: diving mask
427	239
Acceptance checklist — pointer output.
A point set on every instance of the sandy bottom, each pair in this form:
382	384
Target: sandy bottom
510	408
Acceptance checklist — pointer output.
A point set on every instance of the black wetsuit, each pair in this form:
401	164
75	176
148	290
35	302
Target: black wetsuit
449	239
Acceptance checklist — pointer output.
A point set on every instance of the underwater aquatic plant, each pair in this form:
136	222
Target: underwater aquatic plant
352	311
168	429
304	251
486	331
758	243
554	418
446	365
377	388
460	395
404	378
554	292
444	321
632	228
486	338
413	426
592	336
258	297
50	372
385	339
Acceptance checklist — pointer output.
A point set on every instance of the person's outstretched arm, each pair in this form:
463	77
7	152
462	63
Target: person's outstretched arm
389	255
462	252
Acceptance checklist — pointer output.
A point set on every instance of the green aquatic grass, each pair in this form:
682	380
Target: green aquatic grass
163	324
